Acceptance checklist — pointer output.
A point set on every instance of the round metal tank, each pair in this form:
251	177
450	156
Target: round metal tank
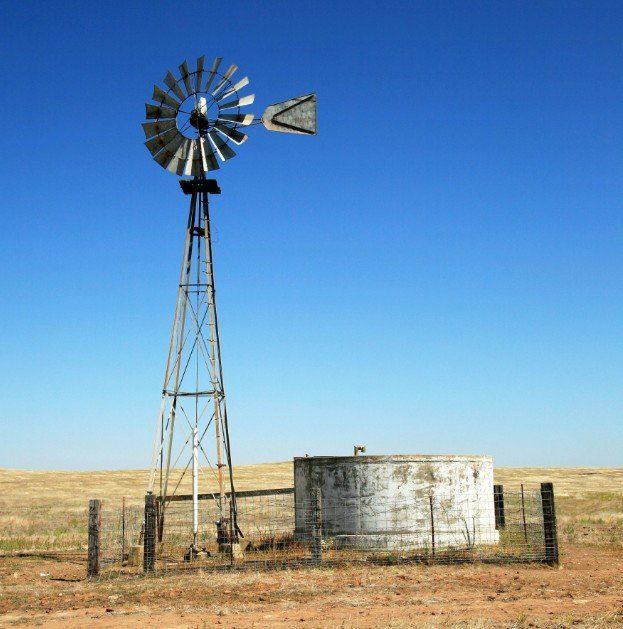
397	502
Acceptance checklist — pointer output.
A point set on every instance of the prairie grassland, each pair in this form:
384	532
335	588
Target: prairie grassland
44	509
39	508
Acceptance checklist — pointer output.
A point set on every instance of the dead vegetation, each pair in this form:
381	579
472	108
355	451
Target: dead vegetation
46	510
586	591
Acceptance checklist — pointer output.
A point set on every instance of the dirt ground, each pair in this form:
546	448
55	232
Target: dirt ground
586	590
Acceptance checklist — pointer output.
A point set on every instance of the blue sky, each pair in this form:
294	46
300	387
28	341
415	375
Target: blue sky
439	270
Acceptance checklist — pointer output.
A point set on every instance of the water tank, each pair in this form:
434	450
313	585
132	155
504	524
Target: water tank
397	502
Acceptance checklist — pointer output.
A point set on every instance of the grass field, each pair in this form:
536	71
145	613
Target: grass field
589	500
45	506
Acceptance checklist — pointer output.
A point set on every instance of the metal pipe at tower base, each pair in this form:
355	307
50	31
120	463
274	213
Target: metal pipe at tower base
195	484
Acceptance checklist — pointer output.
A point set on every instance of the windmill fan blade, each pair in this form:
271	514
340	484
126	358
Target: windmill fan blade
215	65
179	158
188	166
160	141
223	149
197	168
243	119
234	88
153	111
208	158
232	68
297	115
167	154
171	82
155	128
163	158
199	73
239	102
185	77
232	134
161	97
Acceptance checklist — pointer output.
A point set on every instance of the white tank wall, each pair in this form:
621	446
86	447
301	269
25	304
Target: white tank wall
383	501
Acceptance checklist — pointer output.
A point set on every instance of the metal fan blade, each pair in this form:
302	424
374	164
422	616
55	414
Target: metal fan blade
222	148
188	166
155	128
208	158
185	77
297	115
232	134
171	82
198	168
163	158
215	65
153	111
232	68
242	119
199	73
179	158
167	154
161	97
160	141
239	102
234	88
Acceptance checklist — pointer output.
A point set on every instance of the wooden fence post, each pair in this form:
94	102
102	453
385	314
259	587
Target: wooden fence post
498	506
317	526
95	531
550	532
149	536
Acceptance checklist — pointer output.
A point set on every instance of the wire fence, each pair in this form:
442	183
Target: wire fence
275	530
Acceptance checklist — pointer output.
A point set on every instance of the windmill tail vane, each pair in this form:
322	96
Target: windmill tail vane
193	124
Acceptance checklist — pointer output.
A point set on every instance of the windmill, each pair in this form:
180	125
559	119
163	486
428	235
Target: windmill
192	126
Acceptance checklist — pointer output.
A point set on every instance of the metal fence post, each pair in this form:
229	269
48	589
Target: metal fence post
498	506
432	524
523	514
122	529
550	532
317	526
95	531
149	538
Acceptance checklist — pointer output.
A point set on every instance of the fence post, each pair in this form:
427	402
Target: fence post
498	506
149	537
95	531
550	532
317	526
432	524
523	515
122	529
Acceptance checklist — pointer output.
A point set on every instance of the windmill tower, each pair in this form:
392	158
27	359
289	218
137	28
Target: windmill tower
191	127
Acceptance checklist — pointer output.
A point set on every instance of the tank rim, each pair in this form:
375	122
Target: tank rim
416	458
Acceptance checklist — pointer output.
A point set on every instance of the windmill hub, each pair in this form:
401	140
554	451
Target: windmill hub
199	116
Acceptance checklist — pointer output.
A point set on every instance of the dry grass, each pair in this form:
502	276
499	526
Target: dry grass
585	592
42	510
589	500
25	488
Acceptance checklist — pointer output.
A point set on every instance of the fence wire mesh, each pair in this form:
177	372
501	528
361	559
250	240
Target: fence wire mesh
276	531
